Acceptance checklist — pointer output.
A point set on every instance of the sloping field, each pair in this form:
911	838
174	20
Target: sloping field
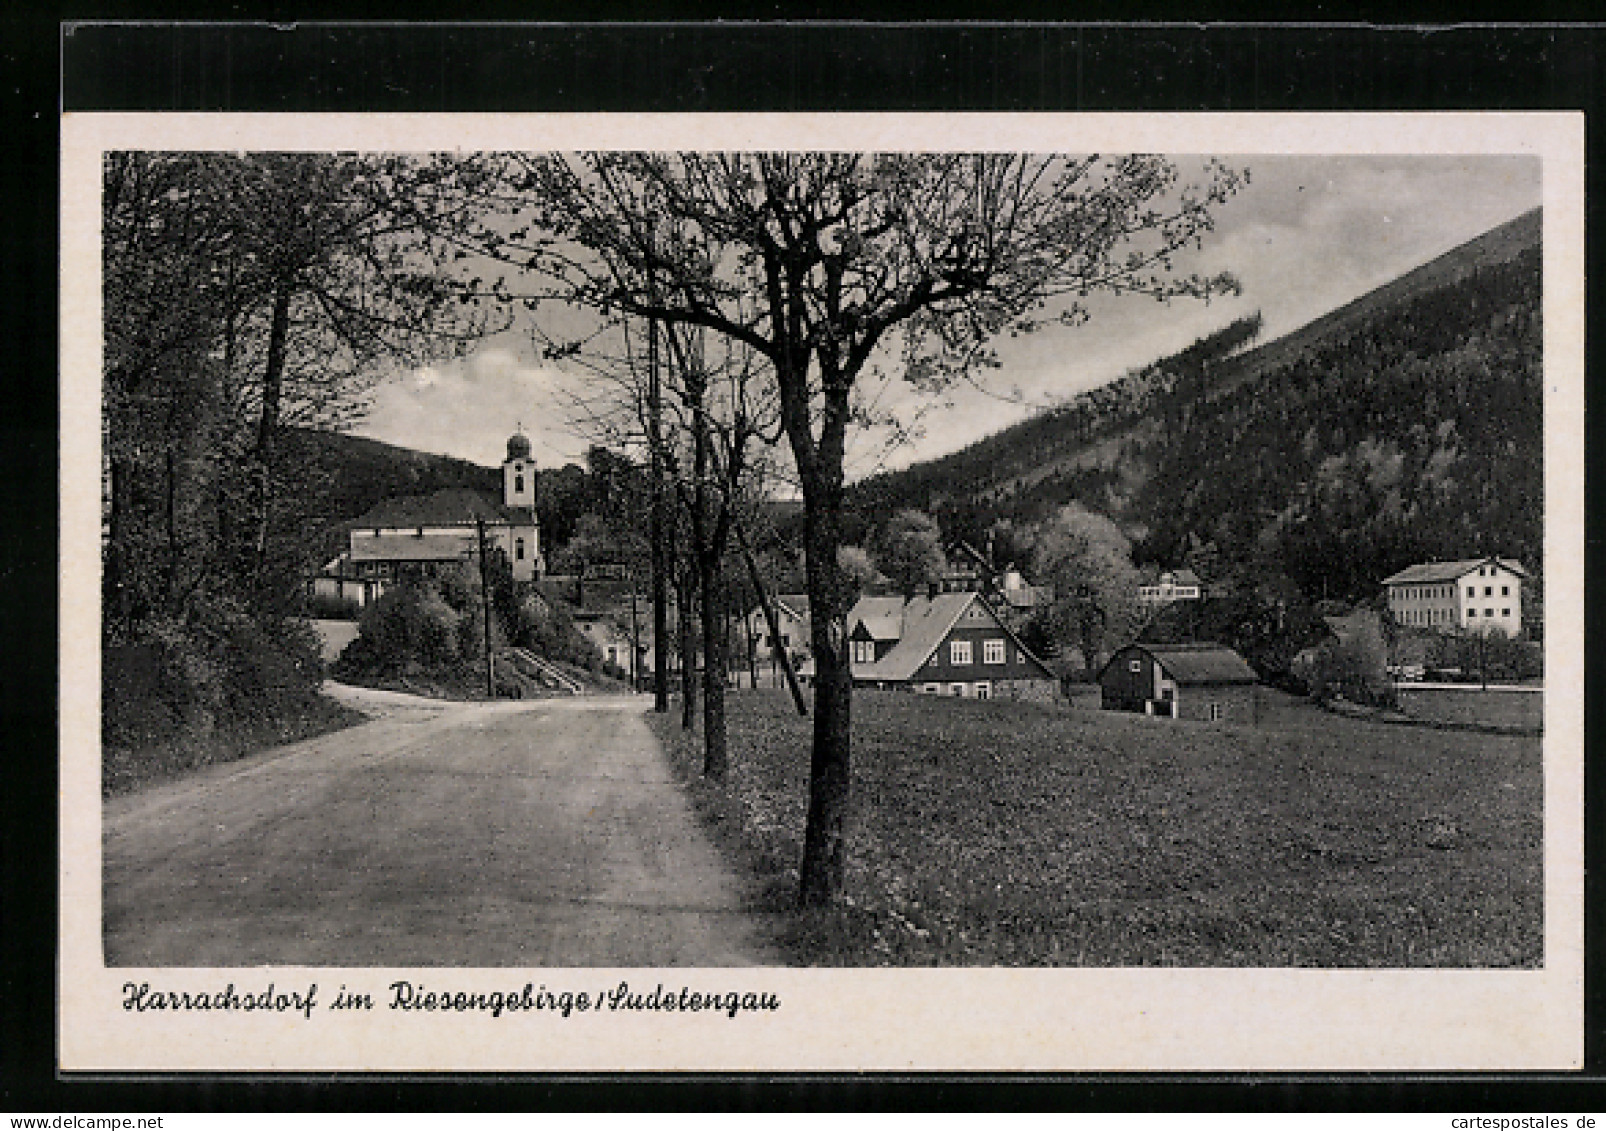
989	833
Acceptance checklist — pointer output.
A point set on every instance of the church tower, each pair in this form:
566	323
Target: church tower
518	498
518	473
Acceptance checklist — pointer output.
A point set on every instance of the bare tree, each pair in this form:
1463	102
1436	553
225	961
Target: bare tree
700	408
828	264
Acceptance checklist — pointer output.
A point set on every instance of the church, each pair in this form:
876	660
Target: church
419	534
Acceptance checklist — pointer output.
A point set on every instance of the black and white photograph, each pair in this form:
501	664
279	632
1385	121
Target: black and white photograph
861	582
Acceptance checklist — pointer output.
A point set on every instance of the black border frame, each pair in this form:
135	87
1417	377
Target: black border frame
688	66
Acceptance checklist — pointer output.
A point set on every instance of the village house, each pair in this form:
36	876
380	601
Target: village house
1173	585
420	534
612	634
1206	682
1472	595
792	621
943	644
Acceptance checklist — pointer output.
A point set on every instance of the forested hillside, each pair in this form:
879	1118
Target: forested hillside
1404	426
339	476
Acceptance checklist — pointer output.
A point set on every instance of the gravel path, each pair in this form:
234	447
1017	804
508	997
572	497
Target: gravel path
536	833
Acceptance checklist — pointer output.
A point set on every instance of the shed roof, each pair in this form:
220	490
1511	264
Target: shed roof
453	506
1430	572
1196	663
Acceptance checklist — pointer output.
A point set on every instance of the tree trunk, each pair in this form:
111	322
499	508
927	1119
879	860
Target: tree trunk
175	549
825	838
752	658
706	557
114	583
660	529
268	425
716	761
685	590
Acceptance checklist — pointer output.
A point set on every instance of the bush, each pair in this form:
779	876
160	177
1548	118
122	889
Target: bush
410	625
205	685
545	628
1504	659
1355	668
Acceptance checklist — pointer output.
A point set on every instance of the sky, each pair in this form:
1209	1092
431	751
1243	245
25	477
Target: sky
1307	234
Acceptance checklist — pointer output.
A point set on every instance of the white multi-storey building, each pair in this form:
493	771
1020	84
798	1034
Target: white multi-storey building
1472	595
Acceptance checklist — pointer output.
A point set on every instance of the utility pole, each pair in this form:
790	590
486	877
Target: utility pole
485	610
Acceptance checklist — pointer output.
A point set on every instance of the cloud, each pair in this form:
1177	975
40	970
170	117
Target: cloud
469	407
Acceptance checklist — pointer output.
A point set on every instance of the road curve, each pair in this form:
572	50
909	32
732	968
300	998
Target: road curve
544	833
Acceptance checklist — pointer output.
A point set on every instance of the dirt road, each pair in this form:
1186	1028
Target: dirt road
544	833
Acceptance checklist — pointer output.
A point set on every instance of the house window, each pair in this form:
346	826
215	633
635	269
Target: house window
518	549
786	640
931	689
1472	591
1505	591
957	690
1215	712
1488	591
958	652
1471	613
1488	612
992	652
984	690
1134	666
1505	612
864	651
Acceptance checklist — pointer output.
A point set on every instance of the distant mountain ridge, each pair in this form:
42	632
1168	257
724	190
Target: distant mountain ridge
1497	246
1403	425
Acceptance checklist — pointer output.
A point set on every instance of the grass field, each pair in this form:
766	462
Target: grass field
1472	705
993	833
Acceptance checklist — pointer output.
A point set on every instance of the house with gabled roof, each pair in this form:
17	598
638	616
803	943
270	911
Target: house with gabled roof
943	644
792	622
1469	595
1206	682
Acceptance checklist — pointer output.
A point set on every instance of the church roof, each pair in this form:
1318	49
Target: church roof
429	548
453	506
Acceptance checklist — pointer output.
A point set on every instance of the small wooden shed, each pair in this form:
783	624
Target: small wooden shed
1207	682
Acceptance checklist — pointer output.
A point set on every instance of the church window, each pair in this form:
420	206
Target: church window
518	549
518	483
